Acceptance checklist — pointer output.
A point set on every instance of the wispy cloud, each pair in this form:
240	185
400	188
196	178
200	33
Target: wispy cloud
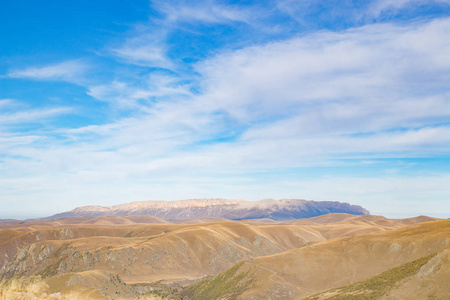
380	7
355	78
204	11
145	47
33	115
337	14
146	55
142	94
326	95
18	131
15	112
65	71
152	43
6	102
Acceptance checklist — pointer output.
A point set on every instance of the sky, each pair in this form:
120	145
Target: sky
109	102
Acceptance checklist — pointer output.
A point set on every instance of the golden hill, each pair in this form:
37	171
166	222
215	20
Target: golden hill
423	278
322	266
131	256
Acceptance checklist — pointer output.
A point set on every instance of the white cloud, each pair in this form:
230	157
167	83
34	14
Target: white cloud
148	43
149	90
310	13
14	132
6	103
31	115
380	7
69	71
10	142
371	92
311	94
203	11
144	53
369	74
15	117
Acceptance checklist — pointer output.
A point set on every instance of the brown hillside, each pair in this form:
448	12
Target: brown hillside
423	278
325	265
139	253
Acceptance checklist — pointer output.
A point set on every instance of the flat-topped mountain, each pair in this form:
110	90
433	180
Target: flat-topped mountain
280	210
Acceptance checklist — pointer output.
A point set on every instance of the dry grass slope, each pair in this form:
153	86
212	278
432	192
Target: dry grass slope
226	285
378	286
319	267
140	256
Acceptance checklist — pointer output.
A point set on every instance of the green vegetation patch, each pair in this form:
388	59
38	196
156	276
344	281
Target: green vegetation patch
51	270
158	290
61	249
377	286
129	234
226	285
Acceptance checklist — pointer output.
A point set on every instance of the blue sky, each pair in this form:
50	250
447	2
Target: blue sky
107	102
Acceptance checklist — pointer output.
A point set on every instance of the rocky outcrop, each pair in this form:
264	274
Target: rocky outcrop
280	210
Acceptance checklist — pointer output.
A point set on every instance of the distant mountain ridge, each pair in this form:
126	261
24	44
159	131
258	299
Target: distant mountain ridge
280	210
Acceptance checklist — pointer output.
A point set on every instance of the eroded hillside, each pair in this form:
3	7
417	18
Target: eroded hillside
144	257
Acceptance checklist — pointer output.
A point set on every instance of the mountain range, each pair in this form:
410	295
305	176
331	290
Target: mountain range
279	210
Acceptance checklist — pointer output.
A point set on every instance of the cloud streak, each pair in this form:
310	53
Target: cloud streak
203	11
69	71
380	7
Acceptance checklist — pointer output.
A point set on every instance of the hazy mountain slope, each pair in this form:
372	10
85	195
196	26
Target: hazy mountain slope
341	224
28	225
288	209
322	266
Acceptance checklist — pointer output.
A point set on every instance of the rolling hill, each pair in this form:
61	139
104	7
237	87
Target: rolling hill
327	265
140	256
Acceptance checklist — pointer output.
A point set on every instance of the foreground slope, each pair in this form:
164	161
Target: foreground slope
423	278
321	266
